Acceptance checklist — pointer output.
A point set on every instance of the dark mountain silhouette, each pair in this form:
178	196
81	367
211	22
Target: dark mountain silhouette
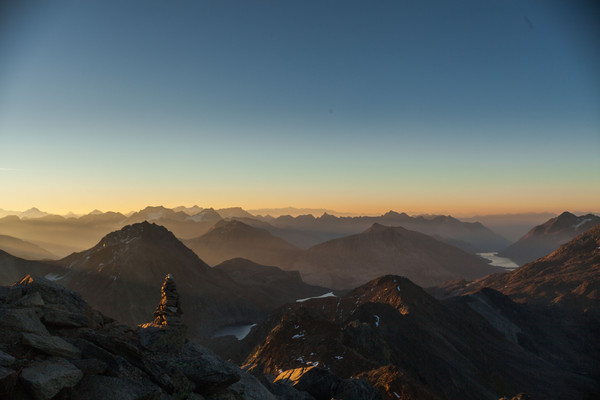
23	249
412	346
269	278
232	238
234	212
353	260
544	239
511	226
13	268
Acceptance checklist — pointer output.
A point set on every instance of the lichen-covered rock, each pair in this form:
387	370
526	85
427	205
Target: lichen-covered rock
51	345
45	379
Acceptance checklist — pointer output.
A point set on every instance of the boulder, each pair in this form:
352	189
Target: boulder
91	366
51	345
45	379
110	387
249	388
6	360
64	319
8	379
53	293
22	320
202	367
355	389
323	385
30	300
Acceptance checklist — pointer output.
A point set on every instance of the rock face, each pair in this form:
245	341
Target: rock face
409	345
57	347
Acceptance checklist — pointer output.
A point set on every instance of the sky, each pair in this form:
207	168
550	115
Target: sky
460	107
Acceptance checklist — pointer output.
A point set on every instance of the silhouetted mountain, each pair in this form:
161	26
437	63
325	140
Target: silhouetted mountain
206	215
477	237
271	282
33	213
353	260
232	238
511	226
412	346
180	223
189	210
234	212
23	249
544	239
13	268
570	276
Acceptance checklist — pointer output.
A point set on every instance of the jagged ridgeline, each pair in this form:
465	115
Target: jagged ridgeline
55	346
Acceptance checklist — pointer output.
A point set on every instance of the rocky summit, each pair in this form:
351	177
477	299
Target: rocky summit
53	345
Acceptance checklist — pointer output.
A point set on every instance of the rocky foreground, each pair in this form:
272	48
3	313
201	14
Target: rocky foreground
53	345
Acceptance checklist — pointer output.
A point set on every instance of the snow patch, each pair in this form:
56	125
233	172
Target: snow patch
579	223
330	294
339	357
53	277
298	336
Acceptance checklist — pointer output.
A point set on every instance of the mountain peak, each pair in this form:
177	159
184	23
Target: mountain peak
143	230
394	214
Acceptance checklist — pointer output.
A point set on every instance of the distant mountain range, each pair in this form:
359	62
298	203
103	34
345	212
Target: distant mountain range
547	237
470	236
61	235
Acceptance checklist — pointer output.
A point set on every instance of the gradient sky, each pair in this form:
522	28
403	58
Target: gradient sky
425	106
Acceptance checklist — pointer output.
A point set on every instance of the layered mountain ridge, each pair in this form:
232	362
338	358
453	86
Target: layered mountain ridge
547	237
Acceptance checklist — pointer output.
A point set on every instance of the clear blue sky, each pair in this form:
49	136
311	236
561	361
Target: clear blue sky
455	106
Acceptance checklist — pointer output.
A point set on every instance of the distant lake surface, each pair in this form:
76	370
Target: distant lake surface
239	331
499	261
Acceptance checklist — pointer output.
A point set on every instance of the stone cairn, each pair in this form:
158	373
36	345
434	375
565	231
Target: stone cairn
168	311
166	333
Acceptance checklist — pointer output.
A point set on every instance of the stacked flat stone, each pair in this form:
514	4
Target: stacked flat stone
168	311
